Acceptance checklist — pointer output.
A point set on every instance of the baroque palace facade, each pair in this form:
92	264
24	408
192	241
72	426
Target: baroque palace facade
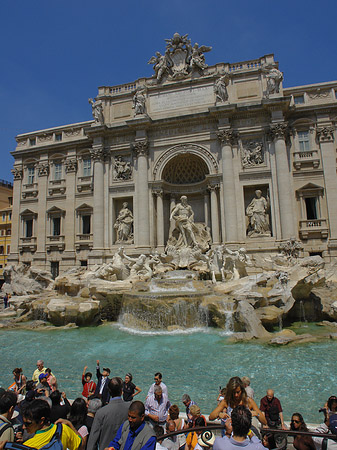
256	161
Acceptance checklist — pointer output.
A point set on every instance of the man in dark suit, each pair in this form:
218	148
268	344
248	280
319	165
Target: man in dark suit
109	418
102	390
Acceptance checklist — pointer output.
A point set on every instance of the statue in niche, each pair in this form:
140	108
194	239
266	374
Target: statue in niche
122	169
123	225
258	217
220	88
235	264
186	234
252	154
274	78
184	219
97	111
139	101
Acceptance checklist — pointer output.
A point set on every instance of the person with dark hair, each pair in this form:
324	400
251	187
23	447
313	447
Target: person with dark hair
43	388
109	418
36	420
59	411
78	416
268	441
19	380
129	388
51	380
171	442
180	424
241	418
301	442
89	386
186	399
192	437
7	404
135	433
157	382
102	390
236	395
157	406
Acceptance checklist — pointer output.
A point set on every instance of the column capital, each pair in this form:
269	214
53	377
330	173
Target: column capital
279	130
98	153
325	134
17	173
70	165
228	136
140	148
213	187
158	192
43	169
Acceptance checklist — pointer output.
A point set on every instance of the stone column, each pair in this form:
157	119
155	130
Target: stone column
41	231
214	214
278	132
325	137
97	154
140	149
227	138
206	208
16	219
160	218
70	229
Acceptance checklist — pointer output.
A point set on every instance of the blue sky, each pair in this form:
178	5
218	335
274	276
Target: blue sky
55	54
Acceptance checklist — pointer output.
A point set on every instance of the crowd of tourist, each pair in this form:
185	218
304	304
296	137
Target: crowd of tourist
36	414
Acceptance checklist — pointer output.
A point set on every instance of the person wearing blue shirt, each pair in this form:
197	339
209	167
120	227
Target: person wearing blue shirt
134	434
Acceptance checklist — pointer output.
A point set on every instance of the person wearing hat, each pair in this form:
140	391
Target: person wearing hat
241	424
102	390
43	387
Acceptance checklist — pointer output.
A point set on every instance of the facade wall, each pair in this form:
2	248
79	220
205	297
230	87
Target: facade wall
70	182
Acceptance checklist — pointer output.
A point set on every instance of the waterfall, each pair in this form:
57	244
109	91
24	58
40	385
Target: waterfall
227	310
302	313
280	323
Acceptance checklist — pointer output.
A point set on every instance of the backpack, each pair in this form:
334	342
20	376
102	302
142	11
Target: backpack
54	443
274	417
4	426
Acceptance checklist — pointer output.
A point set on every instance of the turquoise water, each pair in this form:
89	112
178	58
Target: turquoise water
196	363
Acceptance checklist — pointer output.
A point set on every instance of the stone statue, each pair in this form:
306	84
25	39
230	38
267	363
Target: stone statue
123	225
274	78
97	111
140	268
184	220
253	154
235	264
197	57
160	65
122	169
139	101
291	248
114	270
257	215
220	88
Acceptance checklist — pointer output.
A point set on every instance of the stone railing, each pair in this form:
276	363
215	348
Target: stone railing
313	227
55	242
27	244
84	241
115	90
246	65
308	158
84	237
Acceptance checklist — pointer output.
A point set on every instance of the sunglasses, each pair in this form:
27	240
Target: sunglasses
296	421
27	422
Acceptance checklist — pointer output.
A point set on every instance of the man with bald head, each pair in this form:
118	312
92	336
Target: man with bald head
272	409
40	369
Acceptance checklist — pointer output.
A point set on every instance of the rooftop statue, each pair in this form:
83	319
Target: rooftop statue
179	59
97	111
220	88
139	101
274	78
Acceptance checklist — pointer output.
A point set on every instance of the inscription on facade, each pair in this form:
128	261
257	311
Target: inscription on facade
182	98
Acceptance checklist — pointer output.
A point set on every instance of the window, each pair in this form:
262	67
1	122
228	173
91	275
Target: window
86	167
84	263
1	249
58	137
8	232
31	175
299	99
28	228
57	171
10	216
86	224
311	207
4	217
303	140
8	249
56	226
32	141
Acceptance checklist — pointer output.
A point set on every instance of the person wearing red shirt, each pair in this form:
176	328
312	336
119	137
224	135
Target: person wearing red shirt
89	386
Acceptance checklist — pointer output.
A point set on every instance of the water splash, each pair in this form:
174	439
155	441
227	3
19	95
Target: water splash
302	314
